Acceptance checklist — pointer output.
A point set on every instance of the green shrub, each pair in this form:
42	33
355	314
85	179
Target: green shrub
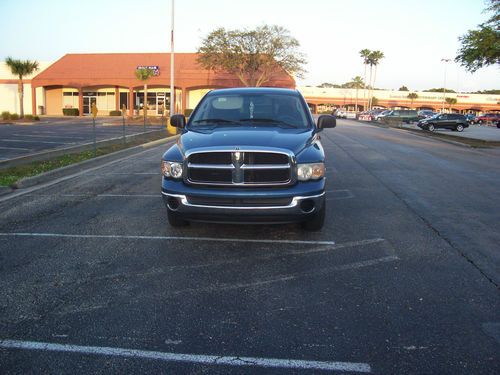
14	116
187	112
36	118
115	113
5	115
28	117
71	112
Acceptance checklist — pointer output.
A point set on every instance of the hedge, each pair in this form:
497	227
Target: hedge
5	115
71	112
115	113
32	118
187	112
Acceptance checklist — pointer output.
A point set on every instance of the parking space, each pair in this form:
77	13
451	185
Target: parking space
19	140
94	280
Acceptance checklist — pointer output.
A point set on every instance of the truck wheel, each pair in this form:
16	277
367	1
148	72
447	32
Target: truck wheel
175	220
459	128
316	222
430	128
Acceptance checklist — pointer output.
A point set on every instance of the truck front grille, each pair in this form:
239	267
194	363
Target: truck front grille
240	168
240	202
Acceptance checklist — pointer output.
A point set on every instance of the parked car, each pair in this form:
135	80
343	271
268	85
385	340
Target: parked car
488	117
379	116
401	115
249	155
424	113
339	113
452	121
471	118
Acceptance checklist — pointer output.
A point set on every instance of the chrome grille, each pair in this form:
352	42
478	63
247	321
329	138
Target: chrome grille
241	168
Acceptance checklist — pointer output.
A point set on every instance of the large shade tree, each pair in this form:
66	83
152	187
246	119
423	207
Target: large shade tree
21	69
252	55
481	47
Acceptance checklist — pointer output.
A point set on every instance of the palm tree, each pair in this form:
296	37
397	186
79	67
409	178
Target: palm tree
412	96
450	102
144	74
365	53
21	69
357	83
374	59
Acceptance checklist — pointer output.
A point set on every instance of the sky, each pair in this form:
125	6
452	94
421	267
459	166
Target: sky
413	34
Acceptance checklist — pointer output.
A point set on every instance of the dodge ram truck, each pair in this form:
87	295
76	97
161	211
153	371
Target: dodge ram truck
247	155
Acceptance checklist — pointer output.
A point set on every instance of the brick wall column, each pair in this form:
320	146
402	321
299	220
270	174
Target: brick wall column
184	97
80	100
131	101
33	101
117	98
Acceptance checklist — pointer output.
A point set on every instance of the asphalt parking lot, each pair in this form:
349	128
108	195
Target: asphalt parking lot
402	279
19	140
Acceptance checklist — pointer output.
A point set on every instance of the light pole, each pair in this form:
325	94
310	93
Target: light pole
446	61
172	89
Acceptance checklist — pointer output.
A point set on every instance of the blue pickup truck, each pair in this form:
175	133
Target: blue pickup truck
248	155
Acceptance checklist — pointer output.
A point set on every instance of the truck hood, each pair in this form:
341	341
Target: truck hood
294	140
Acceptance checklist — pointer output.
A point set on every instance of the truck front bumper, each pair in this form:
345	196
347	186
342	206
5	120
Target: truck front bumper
295	204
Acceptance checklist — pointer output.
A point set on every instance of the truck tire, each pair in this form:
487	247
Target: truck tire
175	220
316	222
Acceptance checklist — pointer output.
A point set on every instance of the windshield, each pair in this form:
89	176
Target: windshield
281	110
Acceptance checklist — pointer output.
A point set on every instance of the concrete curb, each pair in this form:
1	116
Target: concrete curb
78	167
50	154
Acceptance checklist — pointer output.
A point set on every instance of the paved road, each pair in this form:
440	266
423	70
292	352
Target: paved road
403	278
19	140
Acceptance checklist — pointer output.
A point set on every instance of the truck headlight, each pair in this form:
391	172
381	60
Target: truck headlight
171	169
312	171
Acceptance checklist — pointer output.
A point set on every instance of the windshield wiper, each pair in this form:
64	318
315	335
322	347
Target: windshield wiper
280	123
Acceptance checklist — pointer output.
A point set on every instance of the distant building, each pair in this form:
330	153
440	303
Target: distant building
108	79
324	99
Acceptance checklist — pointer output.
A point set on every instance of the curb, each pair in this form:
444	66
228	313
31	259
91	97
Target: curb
49	154
78	167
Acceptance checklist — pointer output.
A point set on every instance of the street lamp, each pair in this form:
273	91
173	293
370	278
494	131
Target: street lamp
446	61
172	86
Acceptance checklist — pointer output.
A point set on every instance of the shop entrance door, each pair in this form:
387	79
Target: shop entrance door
88	100
160	103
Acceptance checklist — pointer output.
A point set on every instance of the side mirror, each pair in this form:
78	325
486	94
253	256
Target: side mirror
326	121
178	121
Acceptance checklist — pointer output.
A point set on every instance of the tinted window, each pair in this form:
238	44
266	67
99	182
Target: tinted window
241	109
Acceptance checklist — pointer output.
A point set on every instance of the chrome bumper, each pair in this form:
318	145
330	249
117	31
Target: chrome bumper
288	213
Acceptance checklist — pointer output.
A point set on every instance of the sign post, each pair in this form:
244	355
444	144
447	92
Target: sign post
94	114
124	110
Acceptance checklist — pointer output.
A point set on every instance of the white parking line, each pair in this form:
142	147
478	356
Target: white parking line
161	238
14	148
189	358
45	136
27	141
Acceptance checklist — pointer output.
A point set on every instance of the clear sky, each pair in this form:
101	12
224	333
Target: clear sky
414	34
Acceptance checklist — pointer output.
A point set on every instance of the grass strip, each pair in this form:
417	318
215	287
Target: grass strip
9	176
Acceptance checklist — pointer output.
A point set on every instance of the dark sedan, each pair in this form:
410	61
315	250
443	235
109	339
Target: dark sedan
451	121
